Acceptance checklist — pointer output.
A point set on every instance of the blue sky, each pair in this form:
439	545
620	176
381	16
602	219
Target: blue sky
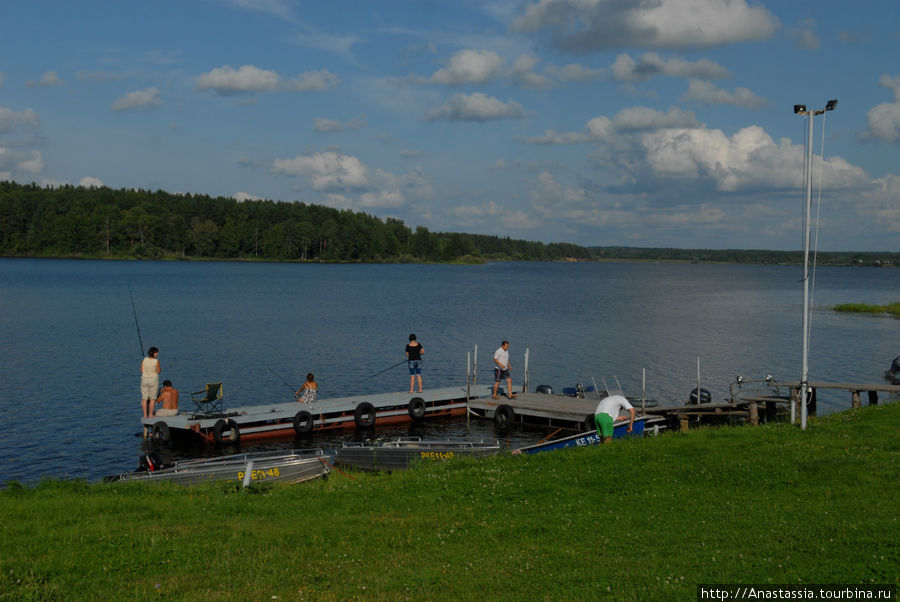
600	122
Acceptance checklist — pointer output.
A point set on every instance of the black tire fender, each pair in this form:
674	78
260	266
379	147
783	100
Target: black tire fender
417	408
160	432
303	422
504	416
364	416
704	396
226	424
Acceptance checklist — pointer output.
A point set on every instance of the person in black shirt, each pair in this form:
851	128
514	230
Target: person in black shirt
414	353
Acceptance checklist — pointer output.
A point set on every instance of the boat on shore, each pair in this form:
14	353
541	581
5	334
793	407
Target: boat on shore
620	430
292	466
402	452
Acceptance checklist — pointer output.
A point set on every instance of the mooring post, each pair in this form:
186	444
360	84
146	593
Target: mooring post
855	399
873	398
684	423
754	414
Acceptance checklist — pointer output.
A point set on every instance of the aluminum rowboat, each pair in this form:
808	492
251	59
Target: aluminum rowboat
400	453
292	466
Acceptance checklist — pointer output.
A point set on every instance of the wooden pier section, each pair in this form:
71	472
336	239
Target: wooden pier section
752	408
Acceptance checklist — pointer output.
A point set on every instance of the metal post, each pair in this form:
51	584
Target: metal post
525	377
248	474
468	384
698	379
804	384
643	390
806	228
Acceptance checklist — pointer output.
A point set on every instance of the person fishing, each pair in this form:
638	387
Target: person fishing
309	392
150	369
414	351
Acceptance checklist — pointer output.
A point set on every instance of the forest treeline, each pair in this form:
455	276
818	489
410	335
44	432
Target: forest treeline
73	221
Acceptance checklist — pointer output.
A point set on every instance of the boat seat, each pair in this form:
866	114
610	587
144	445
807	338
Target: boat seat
209	400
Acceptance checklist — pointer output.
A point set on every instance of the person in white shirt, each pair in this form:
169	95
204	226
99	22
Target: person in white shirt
501	370
150	370
606	413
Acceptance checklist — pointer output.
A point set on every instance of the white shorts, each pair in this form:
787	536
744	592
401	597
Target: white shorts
149	388
165	412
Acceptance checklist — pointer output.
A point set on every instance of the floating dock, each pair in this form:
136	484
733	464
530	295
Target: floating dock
256	422
540	409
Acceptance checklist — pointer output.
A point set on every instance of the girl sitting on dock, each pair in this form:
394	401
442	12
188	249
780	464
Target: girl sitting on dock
309	392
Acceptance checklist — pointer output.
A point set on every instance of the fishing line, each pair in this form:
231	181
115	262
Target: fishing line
138	326
385	370
293	388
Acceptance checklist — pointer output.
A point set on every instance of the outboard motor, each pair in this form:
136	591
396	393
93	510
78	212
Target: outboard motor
893	374
149	462
548	390
704	396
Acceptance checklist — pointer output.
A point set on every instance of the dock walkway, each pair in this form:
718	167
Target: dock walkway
540	409
292	418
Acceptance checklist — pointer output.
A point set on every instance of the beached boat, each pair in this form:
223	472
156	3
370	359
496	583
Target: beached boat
292	466
620	429
400	453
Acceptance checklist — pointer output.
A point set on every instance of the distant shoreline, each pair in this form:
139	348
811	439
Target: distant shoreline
601	255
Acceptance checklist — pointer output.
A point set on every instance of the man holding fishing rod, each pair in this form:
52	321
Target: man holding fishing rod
150	370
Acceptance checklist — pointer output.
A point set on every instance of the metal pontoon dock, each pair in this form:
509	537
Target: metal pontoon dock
540	409
292	418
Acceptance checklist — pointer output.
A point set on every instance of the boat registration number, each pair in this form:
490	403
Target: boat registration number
436	455
261	474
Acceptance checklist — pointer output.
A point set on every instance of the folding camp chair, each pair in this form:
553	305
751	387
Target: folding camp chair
209	400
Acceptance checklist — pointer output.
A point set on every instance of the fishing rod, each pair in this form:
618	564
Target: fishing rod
293	388
385	370
138	326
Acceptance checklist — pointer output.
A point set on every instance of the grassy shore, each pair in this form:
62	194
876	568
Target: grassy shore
863	308
637	520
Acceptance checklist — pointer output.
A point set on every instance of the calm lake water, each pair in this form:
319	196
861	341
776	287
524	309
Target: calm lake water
70	350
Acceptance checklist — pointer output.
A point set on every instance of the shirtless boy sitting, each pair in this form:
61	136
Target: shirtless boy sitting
169	398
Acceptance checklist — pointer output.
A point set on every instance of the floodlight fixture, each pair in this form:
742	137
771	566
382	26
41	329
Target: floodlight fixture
831	105
799	109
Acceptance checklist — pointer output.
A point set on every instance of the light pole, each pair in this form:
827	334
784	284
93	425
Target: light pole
804	385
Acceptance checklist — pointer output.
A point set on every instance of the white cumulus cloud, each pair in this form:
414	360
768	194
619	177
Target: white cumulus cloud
627	69
583	26
468	67
476	107
90	182
709	93
140	100
327	171
227	80
883	120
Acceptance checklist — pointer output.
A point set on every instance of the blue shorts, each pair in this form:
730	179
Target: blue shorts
415	366
500	374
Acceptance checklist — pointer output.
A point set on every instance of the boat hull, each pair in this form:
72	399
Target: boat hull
403	453
282	467
620	430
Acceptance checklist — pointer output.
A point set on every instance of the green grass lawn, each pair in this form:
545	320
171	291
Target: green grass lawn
641	519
